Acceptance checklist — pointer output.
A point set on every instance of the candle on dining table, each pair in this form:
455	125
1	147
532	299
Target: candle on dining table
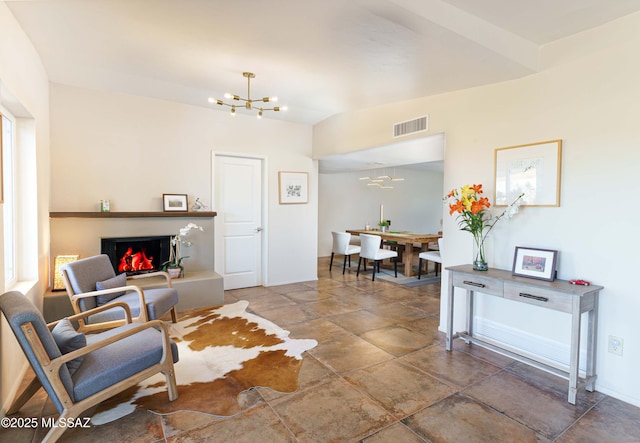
381	213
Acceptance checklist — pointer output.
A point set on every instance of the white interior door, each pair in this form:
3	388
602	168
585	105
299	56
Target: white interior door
239	230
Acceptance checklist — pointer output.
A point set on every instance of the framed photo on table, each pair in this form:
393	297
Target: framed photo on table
293	187
532	170
535	263
174	203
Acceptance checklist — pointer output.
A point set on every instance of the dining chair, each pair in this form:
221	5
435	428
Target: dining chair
370	249
434	256
394	246
342	245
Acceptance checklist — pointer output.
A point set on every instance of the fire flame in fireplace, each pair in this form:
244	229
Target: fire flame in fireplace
135	262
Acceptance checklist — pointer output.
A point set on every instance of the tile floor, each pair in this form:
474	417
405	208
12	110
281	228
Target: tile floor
379	374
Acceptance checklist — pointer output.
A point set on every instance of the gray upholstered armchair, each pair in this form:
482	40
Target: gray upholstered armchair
79	371
91	282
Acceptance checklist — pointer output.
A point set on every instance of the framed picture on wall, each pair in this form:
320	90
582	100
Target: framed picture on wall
293	187
174	203
535	263
532	170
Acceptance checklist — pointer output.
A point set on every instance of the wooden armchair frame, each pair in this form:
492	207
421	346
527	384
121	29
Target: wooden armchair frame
142	316
51	369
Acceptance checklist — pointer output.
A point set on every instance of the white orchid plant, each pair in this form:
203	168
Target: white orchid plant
177	241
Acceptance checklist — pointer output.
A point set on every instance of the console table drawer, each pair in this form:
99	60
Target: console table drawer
545	298
486	285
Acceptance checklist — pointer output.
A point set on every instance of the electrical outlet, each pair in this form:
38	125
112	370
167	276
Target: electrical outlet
615	345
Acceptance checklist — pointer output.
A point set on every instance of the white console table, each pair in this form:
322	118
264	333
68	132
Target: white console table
558	295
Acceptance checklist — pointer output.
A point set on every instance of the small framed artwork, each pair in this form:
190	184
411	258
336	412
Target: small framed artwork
532	170
535	263
174	203
293	187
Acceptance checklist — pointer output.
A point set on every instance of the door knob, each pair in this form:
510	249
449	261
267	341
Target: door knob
259	229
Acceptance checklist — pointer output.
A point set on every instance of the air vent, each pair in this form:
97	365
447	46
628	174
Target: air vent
419	124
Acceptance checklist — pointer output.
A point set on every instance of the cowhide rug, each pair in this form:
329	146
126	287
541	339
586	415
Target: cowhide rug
223	351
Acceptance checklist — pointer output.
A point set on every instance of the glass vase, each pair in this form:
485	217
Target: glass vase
479	257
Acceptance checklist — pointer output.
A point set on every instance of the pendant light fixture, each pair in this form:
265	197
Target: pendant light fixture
381	181
248	102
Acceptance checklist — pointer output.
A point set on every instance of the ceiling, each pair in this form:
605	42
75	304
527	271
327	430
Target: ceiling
320	58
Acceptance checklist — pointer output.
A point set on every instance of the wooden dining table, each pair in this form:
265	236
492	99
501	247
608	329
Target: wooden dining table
408	239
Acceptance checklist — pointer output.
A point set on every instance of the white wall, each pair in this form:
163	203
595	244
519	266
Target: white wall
24	92
345	202
588	96
131	150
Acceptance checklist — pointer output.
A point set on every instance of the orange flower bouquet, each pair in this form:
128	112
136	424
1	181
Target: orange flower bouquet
474	217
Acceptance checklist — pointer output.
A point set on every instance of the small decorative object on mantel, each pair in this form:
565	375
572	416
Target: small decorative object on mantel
198	206
105	206
174	203
535	263
475	218
174	265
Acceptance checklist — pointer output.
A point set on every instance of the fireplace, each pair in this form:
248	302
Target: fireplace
137	255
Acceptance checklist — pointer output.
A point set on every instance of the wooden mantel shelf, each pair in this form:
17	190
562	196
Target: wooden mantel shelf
200	214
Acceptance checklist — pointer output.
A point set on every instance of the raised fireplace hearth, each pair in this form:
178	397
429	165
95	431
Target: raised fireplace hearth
137	255
200	285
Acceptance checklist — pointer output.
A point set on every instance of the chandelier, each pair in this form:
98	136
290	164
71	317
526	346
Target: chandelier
382	181
248	103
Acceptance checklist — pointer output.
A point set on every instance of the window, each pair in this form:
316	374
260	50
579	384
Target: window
7	125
